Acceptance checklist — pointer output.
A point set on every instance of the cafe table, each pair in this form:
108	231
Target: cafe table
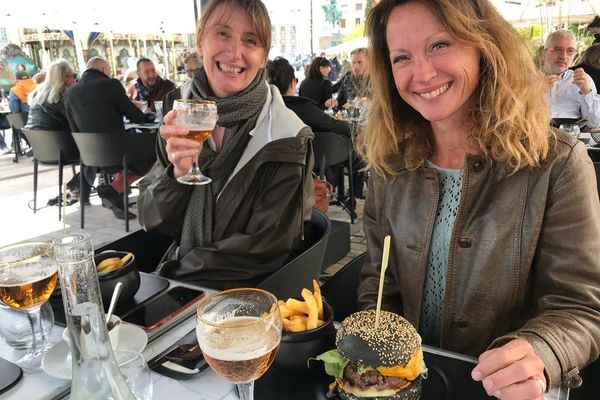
206	385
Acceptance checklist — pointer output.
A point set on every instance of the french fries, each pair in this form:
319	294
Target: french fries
113	263
298	316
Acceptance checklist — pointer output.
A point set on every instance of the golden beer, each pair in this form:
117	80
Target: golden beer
198	136
28	295
241	349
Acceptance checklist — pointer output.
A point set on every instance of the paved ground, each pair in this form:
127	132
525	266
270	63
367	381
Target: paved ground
18	222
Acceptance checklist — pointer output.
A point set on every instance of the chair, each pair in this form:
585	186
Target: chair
289	280
340	290
333	149
105	150
17	122
52	148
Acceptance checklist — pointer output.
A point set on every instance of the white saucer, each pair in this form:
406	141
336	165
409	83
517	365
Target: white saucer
56	361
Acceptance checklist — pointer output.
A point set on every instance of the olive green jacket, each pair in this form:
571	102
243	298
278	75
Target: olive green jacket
524	256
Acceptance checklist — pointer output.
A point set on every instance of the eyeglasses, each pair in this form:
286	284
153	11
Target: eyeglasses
569	50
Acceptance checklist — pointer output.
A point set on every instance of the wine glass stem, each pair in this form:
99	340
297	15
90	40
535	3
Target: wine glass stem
195	170
35	322
246	390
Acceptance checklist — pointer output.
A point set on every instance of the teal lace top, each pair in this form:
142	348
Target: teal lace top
430	325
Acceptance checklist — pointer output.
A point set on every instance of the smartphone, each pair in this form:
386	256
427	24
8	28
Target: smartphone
164	307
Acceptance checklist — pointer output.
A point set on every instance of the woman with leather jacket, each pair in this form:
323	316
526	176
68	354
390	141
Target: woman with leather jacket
246	223
493	215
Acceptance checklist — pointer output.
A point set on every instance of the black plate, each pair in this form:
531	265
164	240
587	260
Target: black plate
150	286
10	374
448	379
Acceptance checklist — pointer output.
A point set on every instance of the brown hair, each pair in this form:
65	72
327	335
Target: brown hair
509	117
591	56
314	70
254	9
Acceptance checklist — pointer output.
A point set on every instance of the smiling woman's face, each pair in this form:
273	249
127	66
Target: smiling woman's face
231	51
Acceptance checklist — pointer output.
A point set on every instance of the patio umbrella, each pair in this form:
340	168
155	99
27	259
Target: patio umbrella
547	12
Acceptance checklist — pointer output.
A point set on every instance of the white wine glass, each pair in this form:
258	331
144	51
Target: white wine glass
239	331
200	117
28	275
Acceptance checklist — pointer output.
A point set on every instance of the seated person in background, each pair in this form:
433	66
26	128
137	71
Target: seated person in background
98	103
148	87
590	62
246	223
47	110
594	27
18	96
191	64
281	74
316	86
493	215
571	94
354	84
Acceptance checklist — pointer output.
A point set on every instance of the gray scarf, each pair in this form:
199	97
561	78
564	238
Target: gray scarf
238	115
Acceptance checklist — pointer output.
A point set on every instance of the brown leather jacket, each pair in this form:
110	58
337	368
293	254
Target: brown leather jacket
524	256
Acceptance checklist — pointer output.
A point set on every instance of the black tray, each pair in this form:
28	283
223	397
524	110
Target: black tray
10	374
448	379
150	286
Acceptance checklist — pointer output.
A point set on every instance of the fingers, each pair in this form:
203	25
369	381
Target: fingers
169	117
580	78
511	371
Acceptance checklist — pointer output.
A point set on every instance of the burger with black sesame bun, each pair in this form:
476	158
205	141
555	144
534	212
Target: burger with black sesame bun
379	364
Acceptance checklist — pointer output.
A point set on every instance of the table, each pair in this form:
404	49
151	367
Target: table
206	385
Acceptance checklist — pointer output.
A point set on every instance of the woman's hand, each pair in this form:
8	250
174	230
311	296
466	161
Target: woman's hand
331	103
513	371
181	152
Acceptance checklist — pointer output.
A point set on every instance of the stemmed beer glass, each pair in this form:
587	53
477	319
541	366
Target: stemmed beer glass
239	332
200	117
28	275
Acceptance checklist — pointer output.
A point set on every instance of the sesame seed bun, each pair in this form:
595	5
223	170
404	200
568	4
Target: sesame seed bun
394	343
413	392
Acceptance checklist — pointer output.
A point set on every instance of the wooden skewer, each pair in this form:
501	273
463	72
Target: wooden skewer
384	264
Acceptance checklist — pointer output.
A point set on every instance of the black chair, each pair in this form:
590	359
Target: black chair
52	148
340	290
332	149
17	121
289	280
121	149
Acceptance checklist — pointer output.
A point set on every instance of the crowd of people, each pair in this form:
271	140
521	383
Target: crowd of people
493	213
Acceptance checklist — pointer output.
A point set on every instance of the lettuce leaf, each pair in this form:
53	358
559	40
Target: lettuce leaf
334	363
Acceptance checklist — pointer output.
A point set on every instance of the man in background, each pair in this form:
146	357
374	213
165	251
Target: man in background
148	87
572	94
97	103
354	84
191	64
17	98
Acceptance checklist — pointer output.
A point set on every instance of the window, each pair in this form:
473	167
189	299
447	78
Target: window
359	6
343	23
357	21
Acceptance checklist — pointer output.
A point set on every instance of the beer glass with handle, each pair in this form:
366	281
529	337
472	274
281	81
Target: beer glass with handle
239	332
28	275
200	117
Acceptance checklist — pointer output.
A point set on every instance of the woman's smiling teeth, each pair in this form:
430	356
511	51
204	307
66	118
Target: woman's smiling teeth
435	93
226	68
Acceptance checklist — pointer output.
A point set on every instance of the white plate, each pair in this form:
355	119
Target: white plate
56	361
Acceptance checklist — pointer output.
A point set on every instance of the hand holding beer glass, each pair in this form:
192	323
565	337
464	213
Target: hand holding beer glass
200	118
239	331
28	275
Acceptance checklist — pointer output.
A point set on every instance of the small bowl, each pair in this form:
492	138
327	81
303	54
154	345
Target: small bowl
297	348
128	274
113	334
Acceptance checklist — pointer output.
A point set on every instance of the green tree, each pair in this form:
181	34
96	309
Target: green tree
368	7
332	14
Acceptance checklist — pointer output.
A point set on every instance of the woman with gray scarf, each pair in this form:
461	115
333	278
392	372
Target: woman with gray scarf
246	223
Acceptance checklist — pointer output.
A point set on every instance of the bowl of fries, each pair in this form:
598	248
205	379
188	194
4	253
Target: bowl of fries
307	329
117	266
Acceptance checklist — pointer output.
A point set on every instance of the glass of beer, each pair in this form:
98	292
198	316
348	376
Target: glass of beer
200	117
239	331
28	275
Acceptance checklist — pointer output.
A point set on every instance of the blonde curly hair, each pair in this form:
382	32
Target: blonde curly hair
510	119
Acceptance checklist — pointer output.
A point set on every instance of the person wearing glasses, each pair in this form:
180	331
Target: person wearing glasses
191	64
571	93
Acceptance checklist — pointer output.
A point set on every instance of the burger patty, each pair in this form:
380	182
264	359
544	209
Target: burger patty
371	379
